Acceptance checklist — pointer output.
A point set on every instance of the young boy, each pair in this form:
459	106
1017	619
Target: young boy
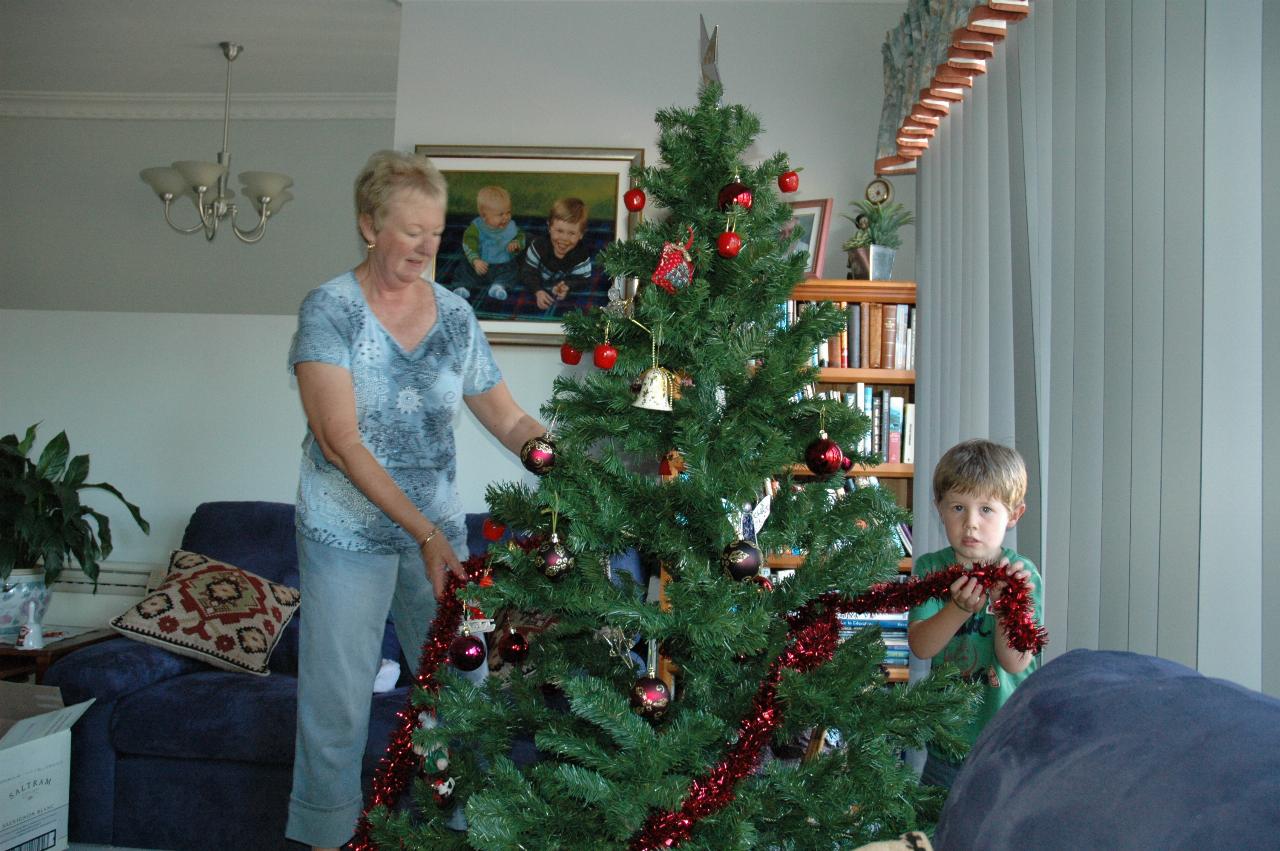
558	262
490	245
978	490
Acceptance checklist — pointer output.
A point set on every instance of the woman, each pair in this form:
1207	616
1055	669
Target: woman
382	358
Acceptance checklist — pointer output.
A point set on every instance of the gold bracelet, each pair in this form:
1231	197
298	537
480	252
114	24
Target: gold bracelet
426	539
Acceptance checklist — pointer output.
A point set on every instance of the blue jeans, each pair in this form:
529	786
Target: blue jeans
345	599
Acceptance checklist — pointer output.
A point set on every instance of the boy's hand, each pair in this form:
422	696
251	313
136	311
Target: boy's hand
544	299
1017	574
513	246
560	290
481	267
967	594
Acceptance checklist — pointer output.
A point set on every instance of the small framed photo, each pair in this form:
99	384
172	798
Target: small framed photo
508	247
807	232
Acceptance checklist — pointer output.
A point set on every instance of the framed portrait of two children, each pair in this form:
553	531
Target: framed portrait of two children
523	228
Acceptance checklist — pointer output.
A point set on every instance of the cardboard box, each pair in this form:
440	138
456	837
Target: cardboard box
35	766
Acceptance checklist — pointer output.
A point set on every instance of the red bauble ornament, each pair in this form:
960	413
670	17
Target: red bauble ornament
555	560
846	463
538	455
650	697
789	181
764	582
634	199
605	356
492	531
570	355
734	193
513	647
823	456
742	559
728	244
467	652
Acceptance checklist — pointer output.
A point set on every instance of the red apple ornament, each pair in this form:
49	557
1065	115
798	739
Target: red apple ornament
492	531
728	244
634	199
605	355
570	355
789	181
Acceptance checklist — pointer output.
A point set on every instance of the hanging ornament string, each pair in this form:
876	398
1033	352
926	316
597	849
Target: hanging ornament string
400	763
814	636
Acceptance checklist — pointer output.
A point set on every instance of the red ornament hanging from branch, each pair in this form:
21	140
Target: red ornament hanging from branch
675	266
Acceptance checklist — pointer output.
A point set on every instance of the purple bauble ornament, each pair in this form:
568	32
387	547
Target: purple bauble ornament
742	559
555	560
823	456
538	455
467	652
513	647
650	697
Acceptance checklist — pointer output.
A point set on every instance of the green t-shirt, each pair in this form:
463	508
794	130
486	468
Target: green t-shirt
972	649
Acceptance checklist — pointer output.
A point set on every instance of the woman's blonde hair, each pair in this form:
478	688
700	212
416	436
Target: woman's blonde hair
389	172
984	468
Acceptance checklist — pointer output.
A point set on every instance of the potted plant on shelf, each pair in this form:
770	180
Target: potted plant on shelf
43	524
875	242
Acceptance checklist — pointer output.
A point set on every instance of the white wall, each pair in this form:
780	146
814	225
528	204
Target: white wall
163	356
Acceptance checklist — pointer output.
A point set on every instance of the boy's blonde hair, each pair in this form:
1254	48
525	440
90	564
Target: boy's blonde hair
493	197
984	468
571	210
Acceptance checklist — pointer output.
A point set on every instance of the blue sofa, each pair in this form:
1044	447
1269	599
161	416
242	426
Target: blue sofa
1114	750
175	754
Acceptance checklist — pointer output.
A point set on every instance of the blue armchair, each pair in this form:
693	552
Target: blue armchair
175	754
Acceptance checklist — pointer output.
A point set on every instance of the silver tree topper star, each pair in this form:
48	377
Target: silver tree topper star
707	51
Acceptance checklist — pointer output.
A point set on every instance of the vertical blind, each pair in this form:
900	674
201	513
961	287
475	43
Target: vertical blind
1091	268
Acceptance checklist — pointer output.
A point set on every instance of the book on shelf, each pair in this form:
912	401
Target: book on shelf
894	431
877	421
886	418
909	433
900	340
875	345
889	336
853	331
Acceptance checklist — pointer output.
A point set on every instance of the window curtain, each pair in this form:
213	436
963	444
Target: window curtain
1091	267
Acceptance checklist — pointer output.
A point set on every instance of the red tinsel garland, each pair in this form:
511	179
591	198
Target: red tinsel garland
813	634
400	763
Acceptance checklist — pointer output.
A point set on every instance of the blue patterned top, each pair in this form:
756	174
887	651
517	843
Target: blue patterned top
405	405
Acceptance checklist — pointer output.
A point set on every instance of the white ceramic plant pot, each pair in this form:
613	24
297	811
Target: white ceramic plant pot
882	262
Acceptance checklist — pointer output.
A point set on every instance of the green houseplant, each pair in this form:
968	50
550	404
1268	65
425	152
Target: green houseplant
877	224
41	515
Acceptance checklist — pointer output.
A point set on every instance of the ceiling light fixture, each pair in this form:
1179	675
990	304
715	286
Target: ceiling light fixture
205	183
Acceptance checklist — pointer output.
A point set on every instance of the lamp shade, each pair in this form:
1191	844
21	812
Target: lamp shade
259	184
199	173
164	181
273	206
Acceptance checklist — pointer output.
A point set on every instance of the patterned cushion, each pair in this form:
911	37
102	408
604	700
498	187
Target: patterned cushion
214	612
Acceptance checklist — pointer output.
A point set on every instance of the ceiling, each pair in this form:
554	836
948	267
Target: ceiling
171	46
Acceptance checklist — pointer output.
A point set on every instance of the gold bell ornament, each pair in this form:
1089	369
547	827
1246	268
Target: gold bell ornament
657	386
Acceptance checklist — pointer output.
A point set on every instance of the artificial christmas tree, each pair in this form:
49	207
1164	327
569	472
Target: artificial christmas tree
755	662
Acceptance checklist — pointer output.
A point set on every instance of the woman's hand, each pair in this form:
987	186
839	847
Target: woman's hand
1017	574
967	594
439	557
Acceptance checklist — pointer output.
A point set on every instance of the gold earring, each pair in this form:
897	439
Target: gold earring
368	246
